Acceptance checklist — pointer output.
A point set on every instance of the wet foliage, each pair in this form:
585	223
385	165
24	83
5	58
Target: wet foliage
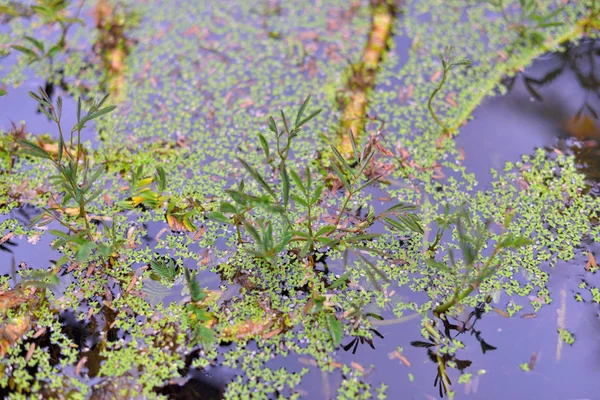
203	234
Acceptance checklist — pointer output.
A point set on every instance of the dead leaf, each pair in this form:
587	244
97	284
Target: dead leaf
307	361
529	315
191	31
591	263
450	99
399	356
10	333
90	270
532	361
501	312
357	366
160	233
12	299
7	237
436	75
30	352
131	284
131	238
199	233
39	333
80	365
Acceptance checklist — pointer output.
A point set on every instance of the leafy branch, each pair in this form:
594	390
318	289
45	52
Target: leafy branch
472	239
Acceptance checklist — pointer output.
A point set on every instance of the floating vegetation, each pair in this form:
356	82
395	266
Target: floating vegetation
206	242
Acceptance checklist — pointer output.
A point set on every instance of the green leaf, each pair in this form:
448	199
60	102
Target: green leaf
550	24
285	181
84	251
340	281
316	195
81	124
299	200
336	329
228	208
253	232
405	222
311	116
61	146
358	238
196	292
515	241
326	240
162	179
297	181
54	49
285	240
341	177
301	234
400	207
219	217
59	107
2	92
364	163
79	109
369	182
38	44
285	124
306	248
59	234
341	159
273	126
461	62
301	112
33	149
165	269
264	144
257	177
325	230
25	50
437	265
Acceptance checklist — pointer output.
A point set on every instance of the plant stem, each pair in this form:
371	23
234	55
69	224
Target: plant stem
343	209
440	123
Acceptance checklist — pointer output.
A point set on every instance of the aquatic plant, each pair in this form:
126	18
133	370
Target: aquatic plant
474	268
289	308
141	192
531	19
318	230
76	179
52	12
448	63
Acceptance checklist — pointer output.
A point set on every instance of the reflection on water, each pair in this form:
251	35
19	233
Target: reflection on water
555	104
441	336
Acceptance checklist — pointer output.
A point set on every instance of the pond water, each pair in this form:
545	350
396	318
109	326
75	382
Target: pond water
552	104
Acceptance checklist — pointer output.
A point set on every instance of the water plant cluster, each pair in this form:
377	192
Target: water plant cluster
201	231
